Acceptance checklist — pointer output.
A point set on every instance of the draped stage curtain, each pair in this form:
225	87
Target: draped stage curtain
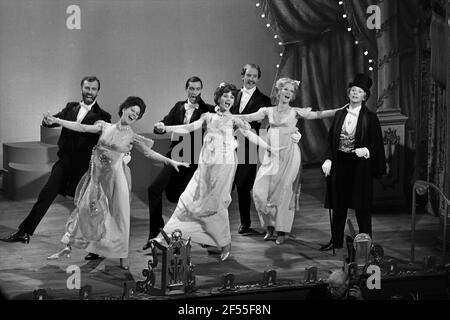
320	52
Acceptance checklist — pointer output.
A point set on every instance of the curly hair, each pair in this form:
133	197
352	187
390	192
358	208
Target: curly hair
131	102
280	85
224	88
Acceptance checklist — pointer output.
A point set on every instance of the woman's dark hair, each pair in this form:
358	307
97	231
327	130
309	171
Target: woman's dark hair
224	88
131	102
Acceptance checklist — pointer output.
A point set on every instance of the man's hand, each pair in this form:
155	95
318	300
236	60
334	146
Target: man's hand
326	167
49	119
355	292
296	136
159	126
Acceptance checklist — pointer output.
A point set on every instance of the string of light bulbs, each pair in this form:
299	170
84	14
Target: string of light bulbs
357	42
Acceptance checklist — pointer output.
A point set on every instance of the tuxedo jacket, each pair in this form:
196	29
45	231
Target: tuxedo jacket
256	101
368	134
77	146
176	117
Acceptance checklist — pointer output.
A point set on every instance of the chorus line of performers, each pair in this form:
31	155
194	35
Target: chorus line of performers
93	156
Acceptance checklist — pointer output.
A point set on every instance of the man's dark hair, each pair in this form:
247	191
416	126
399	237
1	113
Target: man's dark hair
251	65
193	79
90	79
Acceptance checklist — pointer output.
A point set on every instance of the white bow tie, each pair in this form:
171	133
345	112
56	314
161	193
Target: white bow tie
188	106
85	106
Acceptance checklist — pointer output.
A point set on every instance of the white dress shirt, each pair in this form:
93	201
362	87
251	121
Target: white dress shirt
351	119
189	110
84	109
246	95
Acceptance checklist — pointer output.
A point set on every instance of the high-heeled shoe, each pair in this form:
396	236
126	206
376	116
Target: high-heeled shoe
124	263
225	252
280	239
65	251
269	234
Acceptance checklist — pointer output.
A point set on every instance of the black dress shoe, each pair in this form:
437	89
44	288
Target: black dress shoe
18	236
247	231
92	256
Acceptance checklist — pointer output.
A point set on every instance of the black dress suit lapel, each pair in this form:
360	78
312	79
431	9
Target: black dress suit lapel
339	122
74	113
89	115
237	103
182	113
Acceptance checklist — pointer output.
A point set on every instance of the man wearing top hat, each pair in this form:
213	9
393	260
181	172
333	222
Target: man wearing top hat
354	157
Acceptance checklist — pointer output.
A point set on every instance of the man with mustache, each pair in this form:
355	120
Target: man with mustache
168	180
74	155
249	100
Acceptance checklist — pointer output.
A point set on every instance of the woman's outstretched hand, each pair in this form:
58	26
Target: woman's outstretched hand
176	164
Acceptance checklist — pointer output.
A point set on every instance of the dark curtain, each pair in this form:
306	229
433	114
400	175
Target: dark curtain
321	53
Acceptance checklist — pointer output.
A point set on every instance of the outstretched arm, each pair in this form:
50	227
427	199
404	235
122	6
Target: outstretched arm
308	114
255	116
181	129
73	125
245	129
144	145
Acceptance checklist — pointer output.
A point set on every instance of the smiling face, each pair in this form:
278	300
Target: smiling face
356	95
130	115
194	91
226	101
89	91
286	93
250	78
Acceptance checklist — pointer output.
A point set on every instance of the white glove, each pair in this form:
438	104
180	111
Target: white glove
296	136
126	158
159	126
326	167
362	152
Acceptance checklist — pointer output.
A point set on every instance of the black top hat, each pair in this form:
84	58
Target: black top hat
362	81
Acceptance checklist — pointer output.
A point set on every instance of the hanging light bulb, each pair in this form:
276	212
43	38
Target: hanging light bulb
366	53
344	16
268	25
275	36
278	66
263	16
370	60
349	29
341	3
356	42
280	43
281	54
258	4
370	69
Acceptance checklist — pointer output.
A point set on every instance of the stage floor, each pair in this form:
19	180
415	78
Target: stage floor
24	267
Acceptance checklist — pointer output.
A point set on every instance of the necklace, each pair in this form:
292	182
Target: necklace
122	128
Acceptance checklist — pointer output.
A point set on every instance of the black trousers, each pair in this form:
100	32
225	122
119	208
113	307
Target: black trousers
244	179
173	183
61	172
344	166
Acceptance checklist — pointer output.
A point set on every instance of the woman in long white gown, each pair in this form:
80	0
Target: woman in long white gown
275	191
202	210
100	223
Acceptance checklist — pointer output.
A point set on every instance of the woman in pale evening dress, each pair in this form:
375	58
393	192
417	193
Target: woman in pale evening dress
202	210
276	188
100	223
